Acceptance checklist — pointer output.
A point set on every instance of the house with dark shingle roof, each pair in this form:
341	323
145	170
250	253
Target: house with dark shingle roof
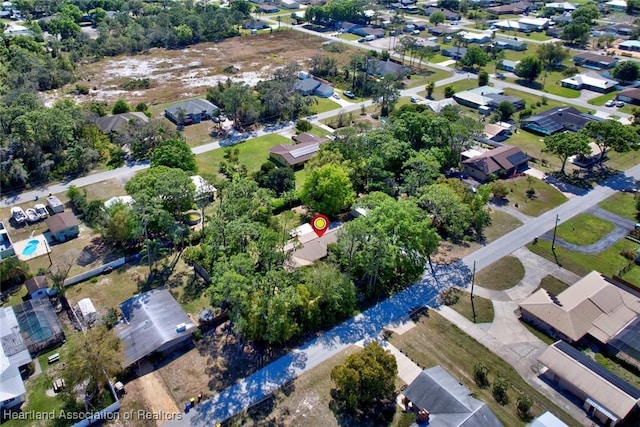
448	15
505	159
63	226
382	68
191	111
509	44
311	86
154	322
595	61
556	120
632	96
109	124
454	52
446	402
37	287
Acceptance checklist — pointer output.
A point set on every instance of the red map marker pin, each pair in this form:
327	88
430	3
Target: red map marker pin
320	224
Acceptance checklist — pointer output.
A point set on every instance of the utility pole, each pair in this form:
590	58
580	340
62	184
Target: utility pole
473	281
555	229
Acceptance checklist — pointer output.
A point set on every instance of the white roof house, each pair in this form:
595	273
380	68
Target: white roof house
534	22
617	4
13	354
125	200
87	310
548	420
589	80
203	188
565	6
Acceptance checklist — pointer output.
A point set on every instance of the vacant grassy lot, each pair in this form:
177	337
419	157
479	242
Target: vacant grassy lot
483	307
252	153
502	274
608	262
562	91
552	284
584	229
323	104
435	341
458	86
545	197
501	224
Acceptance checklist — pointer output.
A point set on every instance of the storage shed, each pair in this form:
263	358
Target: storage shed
87	310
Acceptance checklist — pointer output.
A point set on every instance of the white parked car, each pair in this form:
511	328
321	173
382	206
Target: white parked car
610	103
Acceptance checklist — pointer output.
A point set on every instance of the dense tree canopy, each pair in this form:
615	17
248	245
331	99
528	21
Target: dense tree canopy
611	135
328	190
171	187
365	378
174	153
626	71
529	68
567	144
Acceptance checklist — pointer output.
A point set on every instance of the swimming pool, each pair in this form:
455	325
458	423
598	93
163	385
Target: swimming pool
31	247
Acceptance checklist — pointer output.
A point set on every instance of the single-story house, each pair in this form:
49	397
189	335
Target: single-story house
294	155
507	65
557	119
547	419
442	30
380	68
347	26
377	32
505	159
590	80
204	190
595	61
307	138
561	7
441	400
631	45
253	24
476	97
289	4
448	15
603	395
454	52
191	111
37	287
312	248
39	324
554	32
495	132
496	99
268	8
14	355
154	322
63	226
437	106
505	9
592	306
534	24
616	5
313	87
631	95
509	44
562	20
110	124
480	38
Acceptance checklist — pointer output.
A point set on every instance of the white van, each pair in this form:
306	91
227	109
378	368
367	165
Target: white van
370	38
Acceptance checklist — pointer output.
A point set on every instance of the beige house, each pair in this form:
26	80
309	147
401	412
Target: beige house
602	394
592	306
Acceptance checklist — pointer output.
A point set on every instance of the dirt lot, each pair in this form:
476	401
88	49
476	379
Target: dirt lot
179	74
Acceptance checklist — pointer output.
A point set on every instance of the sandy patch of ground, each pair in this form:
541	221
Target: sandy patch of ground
177	74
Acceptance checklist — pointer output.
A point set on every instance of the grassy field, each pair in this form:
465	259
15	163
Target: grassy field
590	229
426	75
622	204
600	100
608	262
502	274
483	308
562	91
623	161
459	86
435	341
252	154
545	197
323	105
552	284
501	224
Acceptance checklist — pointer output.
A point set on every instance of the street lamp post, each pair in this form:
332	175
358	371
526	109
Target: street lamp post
555	229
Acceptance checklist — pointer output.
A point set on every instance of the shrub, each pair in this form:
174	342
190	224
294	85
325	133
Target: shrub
524	114
449	91
628	253
570	71
481	375
81	89
499	189
500	390
523	405
303	126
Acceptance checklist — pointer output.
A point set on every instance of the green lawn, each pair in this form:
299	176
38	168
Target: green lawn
623	161
502	274
552	284
459	86
584	229
323	105
608	262
438	58
349	36
600	100
301	176
622	204
562	91
501	224
435	341
318	131
427	75
483	307
545	197
252	153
